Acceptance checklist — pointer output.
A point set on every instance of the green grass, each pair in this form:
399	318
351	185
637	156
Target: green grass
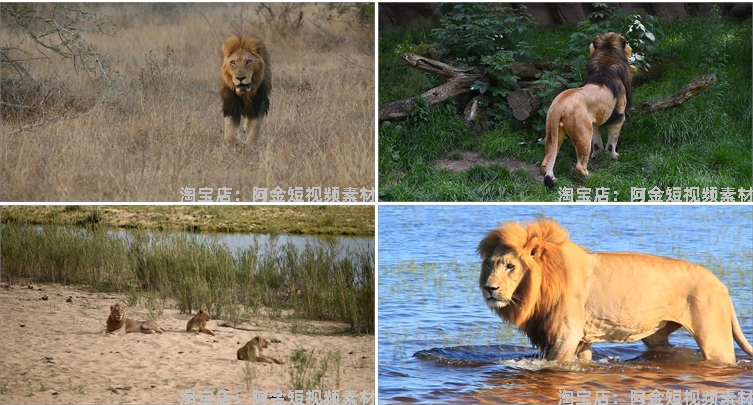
706	142
313	220
315	282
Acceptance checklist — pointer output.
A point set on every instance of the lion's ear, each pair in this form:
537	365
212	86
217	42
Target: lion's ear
488	244
537	252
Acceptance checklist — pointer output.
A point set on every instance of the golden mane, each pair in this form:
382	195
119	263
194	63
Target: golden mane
541	294
261	80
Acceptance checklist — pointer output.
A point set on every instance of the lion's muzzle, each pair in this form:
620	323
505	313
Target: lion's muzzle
492	299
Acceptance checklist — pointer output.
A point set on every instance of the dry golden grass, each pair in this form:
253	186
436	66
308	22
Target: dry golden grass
157	126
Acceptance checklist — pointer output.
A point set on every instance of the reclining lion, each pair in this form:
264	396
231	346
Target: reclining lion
117	321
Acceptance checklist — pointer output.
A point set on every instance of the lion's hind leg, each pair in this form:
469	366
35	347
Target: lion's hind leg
581	133
661	337
270	360
596	144
150	327
614	135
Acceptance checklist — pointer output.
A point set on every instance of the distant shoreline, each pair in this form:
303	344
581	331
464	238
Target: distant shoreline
300	220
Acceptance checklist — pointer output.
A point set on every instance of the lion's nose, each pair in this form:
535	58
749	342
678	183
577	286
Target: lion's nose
240	79
490	289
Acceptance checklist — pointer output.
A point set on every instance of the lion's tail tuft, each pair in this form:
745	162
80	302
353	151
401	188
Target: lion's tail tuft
549	181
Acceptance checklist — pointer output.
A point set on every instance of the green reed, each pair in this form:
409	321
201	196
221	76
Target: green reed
315	282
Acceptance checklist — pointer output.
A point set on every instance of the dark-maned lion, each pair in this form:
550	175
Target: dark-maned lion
246	84
602	101
565	298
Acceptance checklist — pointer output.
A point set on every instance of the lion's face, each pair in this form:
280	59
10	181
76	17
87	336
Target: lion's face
501	274
240	66
117	311
204	315
263	343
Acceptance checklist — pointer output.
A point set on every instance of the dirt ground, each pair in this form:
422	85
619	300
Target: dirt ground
54	349
470	159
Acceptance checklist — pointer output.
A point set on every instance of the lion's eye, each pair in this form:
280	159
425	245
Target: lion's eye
509	266
248	62
232	63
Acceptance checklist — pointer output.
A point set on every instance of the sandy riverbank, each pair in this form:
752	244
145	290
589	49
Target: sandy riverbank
62	349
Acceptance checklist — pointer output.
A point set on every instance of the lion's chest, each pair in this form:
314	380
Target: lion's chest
617	330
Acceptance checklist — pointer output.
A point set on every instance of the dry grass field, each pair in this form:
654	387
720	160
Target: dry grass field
153	123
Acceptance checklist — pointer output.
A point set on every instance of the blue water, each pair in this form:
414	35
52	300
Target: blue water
438	342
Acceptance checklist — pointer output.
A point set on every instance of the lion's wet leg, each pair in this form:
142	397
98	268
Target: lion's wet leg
231	128
712	334
596	144
252	127
661	337
584	351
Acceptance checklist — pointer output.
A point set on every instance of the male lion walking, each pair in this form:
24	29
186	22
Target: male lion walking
602	101
246	84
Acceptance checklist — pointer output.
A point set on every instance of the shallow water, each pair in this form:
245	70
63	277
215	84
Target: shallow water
439	344
268	242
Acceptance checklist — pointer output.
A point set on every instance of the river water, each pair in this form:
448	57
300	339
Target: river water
439	344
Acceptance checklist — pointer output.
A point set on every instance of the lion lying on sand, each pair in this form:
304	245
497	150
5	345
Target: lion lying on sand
117	321
251	351
199	323
565	298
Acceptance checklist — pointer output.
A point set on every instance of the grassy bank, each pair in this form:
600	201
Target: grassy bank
148	119
321	220
316	282
706	142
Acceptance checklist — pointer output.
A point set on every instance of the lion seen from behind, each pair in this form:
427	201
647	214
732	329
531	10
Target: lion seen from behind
566	298
602	101
117	321
246	85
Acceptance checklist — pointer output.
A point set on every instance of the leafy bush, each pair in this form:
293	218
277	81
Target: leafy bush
471	31
642	31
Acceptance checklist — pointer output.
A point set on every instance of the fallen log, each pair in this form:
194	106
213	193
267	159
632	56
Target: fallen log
524	102
687	92
458	84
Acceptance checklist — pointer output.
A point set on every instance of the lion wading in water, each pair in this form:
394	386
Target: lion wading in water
251	351
565	298
118	321
602	101
199	323
246	84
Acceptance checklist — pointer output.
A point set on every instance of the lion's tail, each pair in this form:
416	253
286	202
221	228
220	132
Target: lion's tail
555	135
737	333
